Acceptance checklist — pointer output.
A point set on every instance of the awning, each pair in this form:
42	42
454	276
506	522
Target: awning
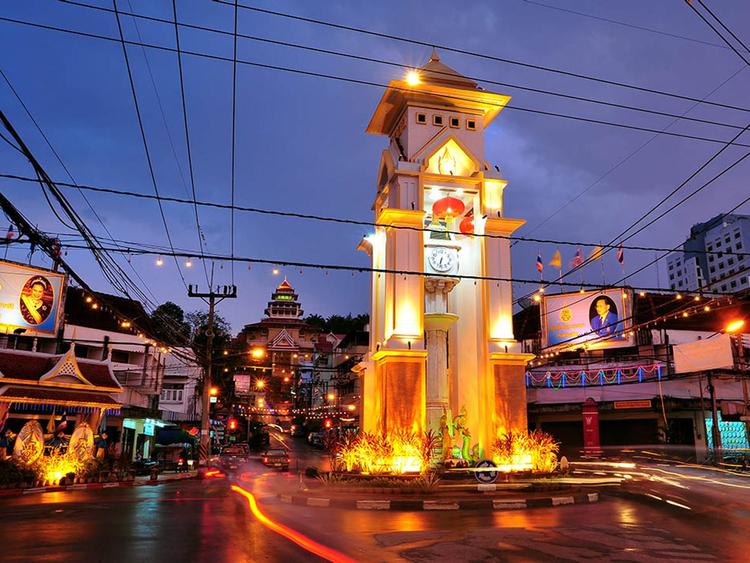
50	396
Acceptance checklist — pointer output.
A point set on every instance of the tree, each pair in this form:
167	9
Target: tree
169	325
339	323
198	321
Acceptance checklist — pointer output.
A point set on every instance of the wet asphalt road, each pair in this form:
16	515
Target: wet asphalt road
205	521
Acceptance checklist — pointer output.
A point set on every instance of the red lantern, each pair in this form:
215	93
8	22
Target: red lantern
466	226
448	207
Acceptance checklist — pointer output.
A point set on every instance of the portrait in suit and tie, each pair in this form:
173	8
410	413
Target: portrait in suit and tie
603	317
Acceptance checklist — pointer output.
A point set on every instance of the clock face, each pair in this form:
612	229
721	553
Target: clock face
441	259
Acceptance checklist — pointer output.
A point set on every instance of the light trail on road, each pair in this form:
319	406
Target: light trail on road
292	535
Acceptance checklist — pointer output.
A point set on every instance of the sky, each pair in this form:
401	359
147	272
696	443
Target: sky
300	140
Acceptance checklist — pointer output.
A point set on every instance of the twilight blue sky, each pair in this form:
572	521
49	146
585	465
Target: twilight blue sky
301	144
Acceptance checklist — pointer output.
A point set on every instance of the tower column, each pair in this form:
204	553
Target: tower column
437	322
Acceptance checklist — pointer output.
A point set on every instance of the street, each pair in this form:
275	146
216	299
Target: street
205	521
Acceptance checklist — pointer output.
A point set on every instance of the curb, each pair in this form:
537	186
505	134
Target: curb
443	504
85	486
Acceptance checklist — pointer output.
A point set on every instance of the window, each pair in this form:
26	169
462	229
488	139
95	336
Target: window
721	265
82	351
733	284
455	122
709	248
743	280
671	276
738	246
721	254
437	120
724	287
710	257
730	261
727	240
671	285
671	267
422	118
718	243
679	273
736	234
712	269
471	124
120	357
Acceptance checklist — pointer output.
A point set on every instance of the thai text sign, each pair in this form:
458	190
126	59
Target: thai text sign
598	319
30	299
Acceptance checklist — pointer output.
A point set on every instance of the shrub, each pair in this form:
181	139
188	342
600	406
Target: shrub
536	450
12	472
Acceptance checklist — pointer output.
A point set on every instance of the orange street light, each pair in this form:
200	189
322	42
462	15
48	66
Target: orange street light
331	396
260	383
257	353
350	407
286	380
735	326
214	391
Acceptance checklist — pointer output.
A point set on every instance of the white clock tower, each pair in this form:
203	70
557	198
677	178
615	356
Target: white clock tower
441	341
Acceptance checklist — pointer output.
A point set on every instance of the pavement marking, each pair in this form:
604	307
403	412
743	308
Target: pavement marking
286	498
318	501
374	504
593	497
557	501
502	504
439	505
486	487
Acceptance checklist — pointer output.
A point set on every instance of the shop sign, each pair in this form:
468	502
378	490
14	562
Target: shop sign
642	404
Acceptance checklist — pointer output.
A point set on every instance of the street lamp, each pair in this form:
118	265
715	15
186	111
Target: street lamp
260	383
735	326
214	391
331	397
257	353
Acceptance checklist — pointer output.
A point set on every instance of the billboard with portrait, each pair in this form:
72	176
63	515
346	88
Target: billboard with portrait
599	319
31	299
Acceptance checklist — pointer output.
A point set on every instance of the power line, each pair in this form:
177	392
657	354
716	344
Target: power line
724	26
624	24
485	56
187	139
143	138
67	171
629	156
362	269
378	85
717	32
402	66
234	132
312	217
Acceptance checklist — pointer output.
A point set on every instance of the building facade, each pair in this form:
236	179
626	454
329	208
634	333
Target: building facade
712	258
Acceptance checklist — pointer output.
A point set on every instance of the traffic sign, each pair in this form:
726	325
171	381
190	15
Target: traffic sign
486	477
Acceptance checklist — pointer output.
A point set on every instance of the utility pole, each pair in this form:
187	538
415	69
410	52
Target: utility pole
212	298
743	377
715	431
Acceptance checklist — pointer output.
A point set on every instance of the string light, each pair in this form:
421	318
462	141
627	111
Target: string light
188	263
159	261
275	271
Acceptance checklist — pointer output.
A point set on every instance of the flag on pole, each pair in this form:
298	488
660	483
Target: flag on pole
620	255
556	261
577	259
10	234
596	253
539	263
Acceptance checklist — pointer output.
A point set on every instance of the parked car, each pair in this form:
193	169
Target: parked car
231	457
276	458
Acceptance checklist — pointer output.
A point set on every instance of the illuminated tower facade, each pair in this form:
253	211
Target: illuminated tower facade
441	343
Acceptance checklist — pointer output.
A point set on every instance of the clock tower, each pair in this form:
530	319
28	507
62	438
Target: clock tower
441	331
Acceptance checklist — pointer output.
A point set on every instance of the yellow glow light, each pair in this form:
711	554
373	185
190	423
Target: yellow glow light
537	298
275	271
351	407
331	396
159	262
214	391
260	384
257	353
735	326
412	78
188	263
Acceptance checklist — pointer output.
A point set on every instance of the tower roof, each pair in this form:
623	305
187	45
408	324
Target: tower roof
439	86
436	72
285	285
